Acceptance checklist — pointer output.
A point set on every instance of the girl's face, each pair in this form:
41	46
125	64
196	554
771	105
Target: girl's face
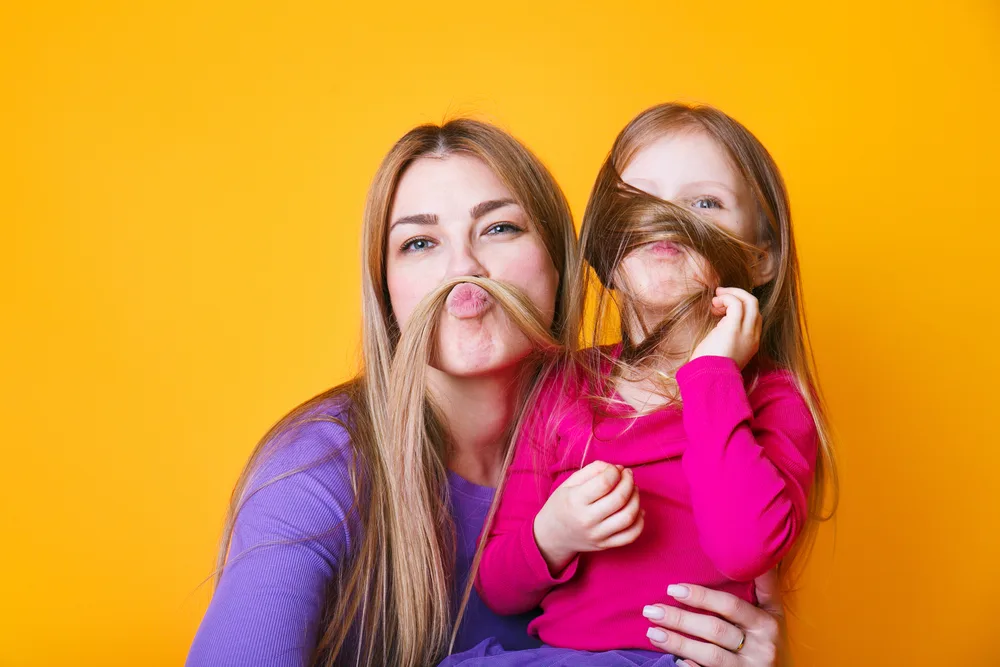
689	169
452	216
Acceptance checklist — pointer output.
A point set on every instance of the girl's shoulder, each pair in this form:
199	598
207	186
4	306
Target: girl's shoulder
777	392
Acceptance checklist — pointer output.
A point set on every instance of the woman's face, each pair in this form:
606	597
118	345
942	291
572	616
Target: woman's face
453	217
688	169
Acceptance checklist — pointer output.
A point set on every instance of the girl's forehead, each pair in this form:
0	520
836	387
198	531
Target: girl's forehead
676	159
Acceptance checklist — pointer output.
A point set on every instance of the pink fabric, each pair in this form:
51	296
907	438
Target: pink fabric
724	483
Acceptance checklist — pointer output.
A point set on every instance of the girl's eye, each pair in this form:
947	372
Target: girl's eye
707	203
416	245
503	228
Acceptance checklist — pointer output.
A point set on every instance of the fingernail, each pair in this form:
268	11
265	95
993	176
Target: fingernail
676	591
656	635
655	613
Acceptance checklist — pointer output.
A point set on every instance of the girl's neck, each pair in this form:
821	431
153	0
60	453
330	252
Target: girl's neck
646	392
478	412
674	350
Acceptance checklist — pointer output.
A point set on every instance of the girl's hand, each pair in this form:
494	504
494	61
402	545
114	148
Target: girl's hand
737	335
596	508
759	628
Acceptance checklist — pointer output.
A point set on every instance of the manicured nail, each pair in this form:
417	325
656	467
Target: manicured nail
655	613
676	591
656	635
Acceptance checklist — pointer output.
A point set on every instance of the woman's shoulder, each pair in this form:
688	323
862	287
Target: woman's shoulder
315	437
302	482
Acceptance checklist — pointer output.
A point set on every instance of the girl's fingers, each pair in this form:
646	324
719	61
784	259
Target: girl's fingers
751	308
614	500
586	473
706	654
687	663
599	485
734	311
628	536
735	610
620	520
697	626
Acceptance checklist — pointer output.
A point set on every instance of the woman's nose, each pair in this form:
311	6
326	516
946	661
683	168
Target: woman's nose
465	263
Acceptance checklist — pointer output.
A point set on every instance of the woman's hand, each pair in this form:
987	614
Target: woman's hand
596	508
758	628
737	335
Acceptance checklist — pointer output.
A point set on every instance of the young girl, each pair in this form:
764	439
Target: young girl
688	451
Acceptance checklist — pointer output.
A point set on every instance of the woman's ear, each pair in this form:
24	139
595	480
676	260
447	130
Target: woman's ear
766	266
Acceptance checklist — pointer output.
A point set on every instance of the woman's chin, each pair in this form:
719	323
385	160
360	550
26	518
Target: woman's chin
479	356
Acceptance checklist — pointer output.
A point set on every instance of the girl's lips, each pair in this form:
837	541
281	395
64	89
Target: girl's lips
467	301
665	248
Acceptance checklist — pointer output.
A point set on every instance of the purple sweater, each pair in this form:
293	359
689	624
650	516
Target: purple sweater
268	606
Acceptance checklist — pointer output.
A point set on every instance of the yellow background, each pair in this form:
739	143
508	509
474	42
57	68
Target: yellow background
181	189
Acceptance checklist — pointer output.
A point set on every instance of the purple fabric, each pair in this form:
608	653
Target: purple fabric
269	603
489	653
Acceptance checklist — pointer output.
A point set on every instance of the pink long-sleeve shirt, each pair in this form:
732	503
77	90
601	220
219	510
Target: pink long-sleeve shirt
724	481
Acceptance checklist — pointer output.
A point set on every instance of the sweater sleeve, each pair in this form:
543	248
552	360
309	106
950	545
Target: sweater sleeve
749	464
288	543
513	576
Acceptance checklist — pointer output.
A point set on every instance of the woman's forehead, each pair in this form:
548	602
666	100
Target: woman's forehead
448	185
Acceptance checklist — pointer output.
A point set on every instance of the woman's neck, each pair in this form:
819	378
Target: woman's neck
478	412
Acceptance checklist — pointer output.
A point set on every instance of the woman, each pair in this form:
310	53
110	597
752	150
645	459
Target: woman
317	564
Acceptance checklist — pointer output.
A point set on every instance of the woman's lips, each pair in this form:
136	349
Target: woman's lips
467	301
664	248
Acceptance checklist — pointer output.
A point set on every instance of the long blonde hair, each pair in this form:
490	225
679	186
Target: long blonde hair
620	218
392	598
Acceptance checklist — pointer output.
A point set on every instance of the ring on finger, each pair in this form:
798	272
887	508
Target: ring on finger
743	641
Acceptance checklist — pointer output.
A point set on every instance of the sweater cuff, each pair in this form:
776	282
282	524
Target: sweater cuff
542	578
714	398
708	364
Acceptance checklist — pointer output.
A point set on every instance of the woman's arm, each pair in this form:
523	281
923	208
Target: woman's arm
713	641
289	539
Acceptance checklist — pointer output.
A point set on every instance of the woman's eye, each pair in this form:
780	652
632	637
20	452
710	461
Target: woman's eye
707	202
416	245
503	228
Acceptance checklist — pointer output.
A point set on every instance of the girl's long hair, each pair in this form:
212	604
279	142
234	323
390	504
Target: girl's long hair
619	219
392	601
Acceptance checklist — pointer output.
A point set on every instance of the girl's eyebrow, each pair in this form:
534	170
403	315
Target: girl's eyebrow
716	183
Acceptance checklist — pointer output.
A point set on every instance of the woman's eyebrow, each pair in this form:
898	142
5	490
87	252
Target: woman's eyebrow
417	219
484	207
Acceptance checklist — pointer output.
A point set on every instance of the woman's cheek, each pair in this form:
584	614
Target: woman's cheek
404	295
535	274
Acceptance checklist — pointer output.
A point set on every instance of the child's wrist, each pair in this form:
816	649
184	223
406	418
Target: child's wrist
555	555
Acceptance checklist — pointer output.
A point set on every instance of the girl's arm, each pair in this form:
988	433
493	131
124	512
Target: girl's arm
749	464
288	543
537	536
513	575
